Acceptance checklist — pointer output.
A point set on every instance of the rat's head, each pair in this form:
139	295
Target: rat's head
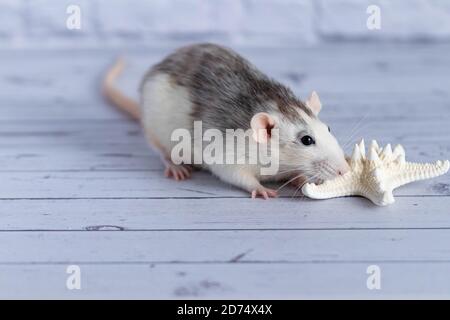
306	144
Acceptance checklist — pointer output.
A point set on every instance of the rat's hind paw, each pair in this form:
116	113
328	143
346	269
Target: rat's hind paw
178	171
265	193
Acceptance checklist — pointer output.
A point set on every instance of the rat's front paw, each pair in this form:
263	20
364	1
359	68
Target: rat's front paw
178	172
265	193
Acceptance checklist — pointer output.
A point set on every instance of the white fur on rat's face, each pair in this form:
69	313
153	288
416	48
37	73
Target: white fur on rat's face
321	160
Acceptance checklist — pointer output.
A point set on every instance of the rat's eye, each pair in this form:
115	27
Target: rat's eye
329	129
307	140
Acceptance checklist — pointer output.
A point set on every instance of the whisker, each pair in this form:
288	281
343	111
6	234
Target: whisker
289	181
305	182
351	138
355	129
290	170
298	189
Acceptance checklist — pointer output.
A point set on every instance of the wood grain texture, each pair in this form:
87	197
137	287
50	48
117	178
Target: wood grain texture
267	246
79	185
221	281
151	184
222	213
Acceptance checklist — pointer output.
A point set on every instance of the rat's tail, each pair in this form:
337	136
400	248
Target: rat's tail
114	95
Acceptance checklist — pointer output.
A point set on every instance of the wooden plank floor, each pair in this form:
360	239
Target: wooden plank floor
79	186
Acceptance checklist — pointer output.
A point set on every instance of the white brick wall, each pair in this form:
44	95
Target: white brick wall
400	19
262	22
237	21
118	17
282	21
47	18
11	19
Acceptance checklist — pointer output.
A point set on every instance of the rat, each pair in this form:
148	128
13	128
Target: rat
215	85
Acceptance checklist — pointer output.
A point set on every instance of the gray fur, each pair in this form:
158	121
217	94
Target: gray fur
225	89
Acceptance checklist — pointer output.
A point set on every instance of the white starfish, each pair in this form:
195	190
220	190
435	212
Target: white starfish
376	176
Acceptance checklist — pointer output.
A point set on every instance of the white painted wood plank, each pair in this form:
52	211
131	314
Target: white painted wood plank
134	156
151	184
67	133
69	87
332	62
336	106
219	214
247	246
221	281
137	155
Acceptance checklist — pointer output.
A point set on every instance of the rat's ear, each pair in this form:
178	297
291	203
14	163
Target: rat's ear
313	103
261	124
